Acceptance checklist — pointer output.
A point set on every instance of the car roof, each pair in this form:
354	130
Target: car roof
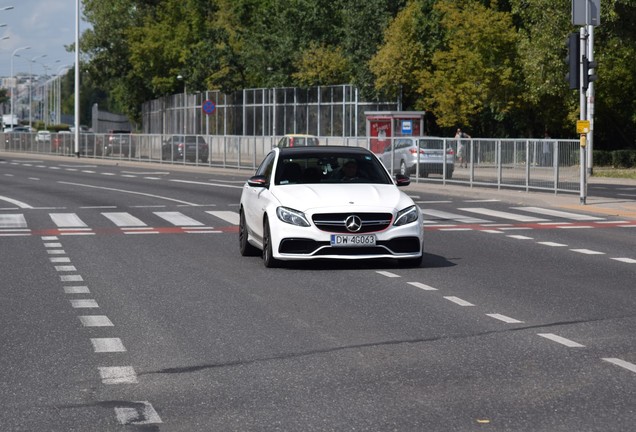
326	150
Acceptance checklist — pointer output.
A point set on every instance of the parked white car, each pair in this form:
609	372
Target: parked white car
43	136
424	155
332	202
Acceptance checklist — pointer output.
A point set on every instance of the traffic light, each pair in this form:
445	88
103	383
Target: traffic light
587	76
572	59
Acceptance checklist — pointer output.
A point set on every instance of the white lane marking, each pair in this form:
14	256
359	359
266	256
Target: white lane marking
12	221
128	192
625	260
65	268
612	222
452	216
552	244
458	301
71	278
84	304
15	202
430	202
622	363
387	274
107	345
207	184
627	226
178	219
96	321
229	216
558	213
587	252
141	414
67	220
56	251
118	375
504	318
575	227
563	341
482	200
76	290
422	286
519	237
492	231
49	238
502	215
141	232
123	219
456	229
60	260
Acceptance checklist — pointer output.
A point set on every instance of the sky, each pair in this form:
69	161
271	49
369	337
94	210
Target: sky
44	25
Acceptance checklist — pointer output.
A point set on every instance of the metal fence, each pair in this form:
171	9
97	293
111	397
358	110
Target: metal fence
527	164
324	111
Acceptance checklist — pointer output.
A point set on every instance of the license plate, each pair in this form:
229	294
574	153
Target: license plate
352	240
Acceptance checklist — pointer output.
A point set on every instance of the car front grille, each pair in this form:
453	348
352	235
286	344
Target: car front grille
399	245
335	222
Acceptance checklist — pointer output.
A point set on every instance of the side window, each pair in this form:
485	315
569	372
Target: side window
266	167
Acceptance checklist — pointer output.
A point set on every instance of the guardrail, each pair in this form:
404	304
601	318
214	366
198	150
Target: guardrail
528	164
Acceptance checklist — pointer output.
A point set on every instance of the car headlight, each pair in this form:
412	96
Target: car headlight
406	216
293	217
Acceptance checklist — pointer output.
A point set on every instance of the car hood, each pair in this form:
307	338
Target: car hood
338	198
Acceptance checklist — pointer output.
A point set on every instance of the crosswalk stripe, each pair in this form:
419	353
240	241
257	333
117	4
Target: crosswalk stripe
178	219
67	220
12	221
228	216
502	214
122	219
558	213
452	216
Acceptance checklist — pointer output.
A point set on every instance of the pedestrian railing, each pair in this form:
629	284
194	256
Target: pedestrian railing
527	164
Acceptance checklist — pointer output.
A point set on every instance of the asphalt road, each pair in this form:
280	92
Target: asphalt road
125	305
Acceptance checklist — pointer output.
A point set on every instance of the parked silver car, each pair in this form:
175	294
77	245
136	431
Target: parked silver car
428	151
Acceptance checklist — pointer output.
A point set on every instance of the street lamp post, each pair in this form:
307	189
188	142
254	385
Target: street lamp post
31	88
13	86
185	109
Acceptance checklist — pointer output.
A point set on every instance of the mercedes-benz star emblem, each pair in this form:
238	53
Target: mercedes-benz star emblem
353	223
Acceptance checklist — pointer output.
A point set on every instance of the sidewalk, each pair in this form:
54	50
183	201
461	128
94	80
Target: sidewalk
618	207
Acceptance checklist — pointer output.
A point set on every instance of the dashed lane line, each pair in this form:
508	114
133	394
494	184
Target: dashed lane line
622	363
563	341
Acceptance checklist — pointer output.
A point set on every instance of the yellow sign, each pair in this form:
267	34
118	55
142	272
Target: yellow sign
582	126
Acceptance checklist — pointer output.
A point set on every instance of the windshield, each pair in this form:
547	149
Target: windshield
321	168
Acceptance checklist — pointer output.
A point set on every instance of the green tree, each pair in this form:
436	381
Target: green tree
322	65
473	79
406	50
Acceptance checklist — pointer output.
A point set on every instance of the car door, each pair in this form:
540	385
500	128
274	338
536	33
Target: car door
257	198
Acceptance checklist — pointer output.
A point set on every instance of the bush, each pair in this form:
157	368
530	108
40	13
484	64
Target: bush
602	158
615	158
624	158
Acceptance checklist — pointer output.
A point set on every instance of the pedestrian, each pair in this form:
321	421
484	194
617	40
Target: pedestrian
546	160
461	147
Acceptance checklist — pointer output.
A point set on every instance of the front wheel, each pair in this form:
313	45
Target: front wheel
268	258
245	248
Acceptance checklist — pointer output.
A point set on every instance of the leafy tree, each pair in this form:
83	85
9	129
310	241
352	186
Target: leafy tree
399	61
321	65
473	78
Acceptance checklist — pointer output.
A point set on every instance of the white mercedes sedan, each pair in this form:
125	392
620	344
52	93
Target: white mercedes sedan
328	202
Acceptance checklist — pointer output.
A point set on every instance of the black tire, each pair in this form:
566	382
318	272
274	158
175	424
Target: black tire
268	258
449	175
245	248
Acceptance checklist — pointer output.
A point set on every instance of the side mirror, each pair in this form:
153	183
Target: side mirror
257	181
402	180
